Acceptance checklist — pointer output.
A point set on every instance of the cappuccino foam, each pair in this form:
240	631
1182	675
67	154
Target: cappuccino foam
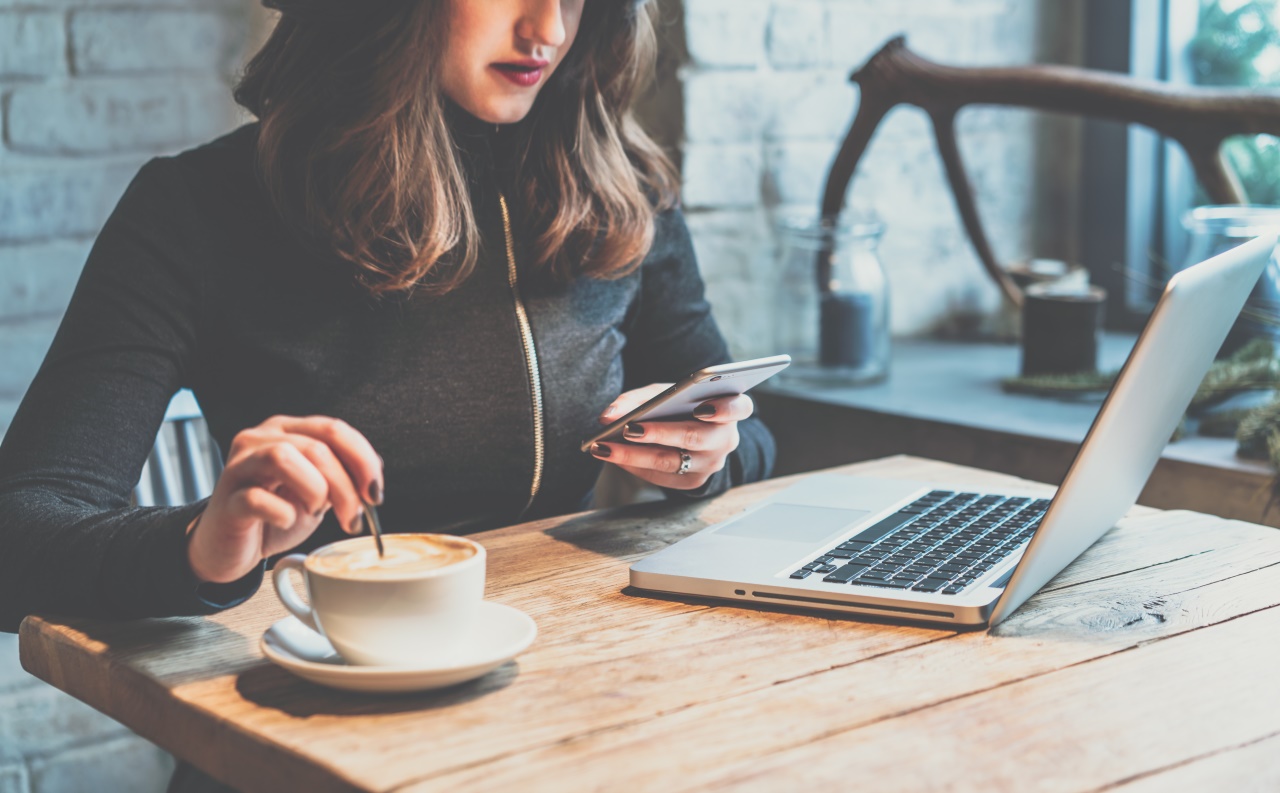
406	555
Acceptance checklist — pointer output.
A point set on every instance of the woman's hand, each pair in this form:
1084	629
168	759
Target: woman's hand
652	450
280	480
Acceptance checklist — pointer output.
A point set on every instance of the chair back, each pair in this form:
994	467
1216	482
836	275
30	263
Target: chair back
185	463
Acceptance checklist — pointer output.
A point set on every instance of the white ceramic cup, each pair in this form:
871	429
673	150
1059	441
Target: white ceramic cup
415	619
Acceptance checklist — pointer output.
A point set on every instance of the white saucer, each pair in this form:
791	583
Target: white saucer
500	634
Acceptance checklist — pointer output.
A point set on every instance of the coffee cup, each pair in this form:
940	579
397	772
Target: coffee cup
415	606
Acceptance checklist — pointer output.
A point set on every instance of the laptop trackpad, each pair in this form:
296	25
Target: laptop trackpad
793	523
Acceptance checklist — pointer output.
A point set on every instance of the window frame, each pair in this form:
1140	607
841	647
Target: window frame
1135	185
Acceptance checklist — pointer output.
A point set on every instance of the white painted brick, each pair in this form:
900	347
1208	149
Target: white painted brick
43	720
726	105
725	32
133	40
125	765
732	244
795	173
31	44
948	32
101	116
13	779
901	172
23	346
59	200
721	175
39	279
810	105
797	35
744	311
923	265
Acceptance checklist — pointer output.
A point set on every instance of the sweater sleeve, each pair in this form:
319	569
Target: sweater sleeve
70	543
672	333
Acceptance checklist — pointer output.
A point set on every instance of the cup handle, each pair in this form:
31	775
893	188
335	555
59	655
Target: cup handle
284	589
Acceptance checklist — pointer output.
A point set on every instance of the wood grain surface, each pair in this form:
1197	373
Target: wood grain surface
1149	664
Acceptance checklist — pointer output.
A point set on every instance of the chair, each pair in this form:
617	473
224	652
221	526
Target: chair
184	464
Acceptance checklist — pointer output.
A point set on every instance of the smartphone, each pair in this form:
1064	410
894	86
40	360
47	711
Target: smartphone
678	401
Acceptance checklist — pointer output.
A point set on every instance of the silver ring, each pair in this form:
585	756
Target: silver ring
686	462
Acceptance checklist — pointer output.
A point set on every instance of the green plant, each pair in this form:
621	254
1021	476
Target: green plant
1238	44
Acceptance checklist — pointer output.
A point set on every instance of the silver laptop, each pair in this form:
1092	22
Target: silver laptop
937	553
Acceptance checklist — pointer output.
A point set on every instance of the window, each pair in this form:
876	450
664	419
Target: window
1237	43
1134	174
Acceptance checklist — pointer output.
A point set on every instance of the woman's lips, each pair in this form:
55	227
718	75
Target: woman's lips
524	74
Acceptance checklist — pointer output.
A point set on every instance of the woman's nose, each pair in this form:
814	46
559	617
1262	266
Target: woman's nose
542	23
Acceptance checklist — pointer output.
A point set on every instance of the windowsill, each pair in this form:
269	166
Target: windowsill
943	399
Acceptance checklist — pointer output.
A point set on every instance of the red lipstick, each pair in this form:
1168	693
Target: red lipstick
525	72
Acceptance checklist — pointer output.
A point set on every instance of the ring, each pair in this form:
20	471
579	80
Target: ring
686	461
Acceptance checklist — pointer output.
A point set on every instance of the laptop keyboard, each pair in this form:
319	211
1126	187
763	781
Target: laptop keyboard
939	543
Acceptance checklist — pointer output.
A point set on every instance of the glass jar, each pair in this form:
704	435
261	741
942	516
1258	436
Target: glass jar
1214	229
833	299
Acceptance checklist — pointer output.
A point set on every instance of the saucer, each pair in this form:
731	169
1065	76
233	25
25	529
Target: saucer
501	633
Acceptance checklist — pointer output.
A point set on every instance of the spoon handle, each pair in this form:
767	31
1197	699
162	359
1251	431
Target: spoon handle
371	516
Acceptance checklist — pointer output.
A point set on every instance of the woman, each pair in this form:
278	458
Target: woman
442	255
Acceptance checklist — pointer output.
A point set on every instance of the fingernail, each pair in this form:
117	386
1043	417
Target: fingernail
609	411
600	450
319	513
375	492
704	411
633	431
355	526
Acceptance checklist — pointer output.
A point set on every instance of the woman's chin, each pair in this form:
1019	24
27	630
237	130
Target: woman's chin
500	110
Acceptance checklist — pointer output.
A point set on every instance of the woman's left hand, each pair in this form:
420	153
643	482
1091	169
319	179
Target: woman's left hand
653	449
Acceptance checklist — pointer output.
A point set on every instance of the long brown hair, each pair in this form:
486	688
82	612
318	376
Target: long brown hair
355	154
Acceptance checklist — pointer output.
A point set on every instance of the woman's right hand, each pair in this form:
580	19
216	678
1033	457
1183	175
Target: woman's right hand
280	480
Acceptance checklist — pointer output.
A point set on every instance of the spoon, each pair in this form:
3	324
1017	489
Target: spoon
371	517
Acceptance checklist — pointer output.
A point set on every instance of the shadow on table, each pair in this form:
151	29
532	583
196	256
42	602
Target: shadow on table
176	650
630	531
269	686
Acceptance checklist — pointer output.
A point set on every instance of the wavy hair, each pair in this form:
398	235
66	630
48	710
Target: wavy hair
355	155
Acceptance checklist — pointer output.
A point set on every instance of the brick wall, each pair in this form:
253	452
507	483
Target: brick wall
89	90
766	100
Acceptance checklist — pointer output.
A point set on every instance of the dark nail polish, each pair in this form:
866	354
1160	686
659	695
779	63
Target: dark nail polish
600	450
319	513
356	526
704	411
633	431
375	492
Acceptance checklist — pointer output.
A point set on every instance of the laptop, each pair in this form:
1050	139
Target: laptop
934	553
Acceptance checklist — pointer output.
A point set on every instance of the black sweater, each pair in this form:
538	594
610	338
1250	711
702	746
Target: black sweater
193	282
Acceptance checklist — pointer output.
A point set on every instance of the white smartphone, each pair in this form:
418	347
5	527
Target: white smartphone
678	401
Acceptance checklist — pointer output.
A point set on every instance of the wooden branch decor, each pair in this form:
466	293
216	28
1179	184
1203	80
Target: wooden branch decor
1199	119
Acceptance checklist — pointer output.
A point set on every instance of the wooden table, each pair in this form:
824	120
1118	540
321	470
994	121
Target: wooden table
1151	664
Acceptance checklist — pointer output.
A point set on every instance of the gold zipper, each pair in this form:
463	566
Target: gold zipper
530	358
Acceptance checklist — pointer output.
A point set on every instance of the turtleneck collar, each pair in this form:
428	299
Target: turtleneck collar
463	125
487	149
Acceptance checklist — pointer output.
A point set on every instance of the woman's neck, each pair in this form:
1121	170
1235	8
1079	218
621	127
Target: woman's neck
488	151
